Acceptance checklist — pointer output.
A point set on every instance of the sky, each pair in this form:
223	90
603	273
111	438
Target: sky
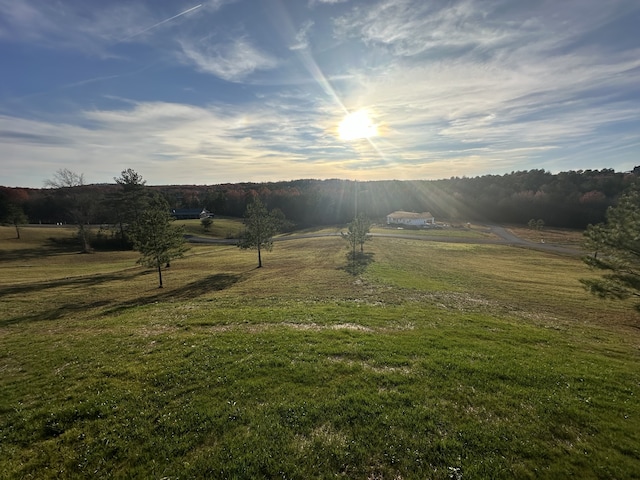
225	91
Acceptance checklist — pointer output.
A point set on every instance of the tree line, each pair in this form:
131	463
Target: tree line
571	199
139	217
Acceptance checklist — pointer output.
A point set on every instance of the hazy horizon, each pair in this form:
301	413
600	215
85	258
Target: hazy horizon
259	182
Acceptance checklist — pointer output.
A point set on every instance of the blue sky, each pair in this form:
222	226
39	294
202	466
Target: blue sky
217	91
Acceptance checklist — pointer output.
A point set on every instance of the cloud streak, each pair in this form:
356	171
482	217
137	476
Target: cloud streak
161	23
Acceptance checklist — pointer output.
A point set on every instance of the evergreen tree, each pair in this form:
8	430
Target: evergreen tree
154	236
206	223
615	247
129	202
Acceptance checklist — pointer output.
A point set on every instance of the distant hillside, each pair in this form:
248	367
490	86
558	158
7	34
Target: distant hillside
568	199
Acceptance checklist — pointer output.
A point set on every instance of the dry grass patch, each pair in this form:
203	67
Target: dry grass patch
551	235
493	278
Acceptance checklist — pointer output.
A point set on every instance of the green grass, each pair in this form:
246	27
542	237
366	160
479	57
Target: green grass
439	359
222	227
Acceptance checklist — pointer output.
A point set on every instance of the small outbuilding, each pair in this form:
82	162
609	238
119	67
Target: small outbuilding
411	219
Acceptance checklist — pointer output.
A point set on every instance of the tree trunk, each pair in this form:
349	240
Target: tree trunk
17	232
122	243
86	248
159	274
259	258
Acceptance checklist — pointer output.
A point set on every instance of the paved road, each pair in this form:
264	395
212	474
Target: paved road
505	237
511	239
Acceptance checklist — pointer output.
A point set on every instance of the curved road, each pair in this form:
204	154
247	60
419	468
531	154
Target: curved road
516	241
505	237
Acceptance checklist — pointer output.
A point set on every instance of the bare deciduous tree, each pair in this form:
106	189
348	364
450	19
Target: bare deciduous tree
261	225
80	203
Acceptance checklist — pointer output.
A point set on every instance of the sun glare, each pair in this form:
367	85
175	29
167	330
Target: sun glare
357	125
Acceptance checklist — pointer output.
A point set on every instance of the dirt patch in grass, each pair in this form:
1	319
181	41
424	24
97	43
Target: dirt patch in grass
311	326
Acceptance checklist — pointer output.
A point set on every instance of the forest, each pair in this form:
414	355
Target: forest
572	199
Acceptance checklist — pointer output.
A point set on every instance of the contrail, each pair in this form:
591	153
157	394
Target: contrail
161	23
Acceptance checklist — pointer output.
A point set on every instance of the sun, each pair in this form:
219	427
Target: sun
357	125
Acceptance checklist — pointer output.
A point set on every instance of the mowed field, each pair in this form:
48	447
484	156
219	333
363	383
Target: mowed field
430	361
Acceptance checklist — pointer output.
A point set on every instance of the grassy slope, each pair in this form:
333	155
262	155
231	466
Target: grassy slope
221	227
439	359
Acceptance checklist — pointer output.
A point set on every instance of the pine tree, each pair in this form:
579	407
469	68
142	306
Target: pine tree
154	236
129	202
615	248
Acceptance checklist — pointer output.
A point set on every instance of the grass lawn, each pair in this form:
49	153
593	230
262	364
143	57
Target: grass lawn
222	227
435	361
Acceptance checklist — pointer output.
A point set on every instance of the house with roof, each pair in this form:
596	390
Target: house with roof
410	219
190	213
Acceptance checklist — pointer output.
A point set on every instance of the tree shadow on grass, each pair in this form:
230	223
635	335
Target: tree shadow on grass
54	313
190	291
76	306
79	281
51	247
358	265
193	290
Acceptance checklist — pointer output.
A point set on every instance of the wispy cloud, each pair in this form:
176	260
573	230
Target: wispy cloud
328	2
410	28
301	38
219	141
64	26
85	27
232	61
504	82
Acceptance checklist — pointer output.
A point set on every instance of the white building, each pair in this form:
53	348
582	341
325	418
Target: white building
410	218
